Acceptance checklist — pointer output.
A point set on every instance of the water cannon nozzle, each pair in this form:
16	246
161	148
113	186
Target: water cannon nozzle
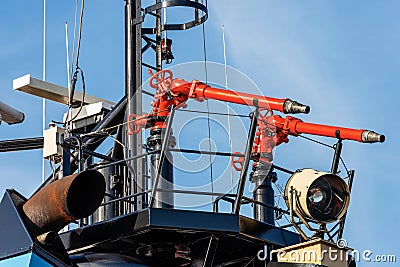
372	137
293	107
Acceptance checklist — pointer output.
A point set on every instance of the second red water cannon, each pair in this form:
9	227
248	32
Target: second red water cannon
295	126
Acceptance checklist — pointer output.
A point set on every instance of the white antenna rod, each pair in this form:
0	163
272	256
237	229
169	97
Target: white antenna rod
165	22
68	73
67	53
224	44
227	105
44	79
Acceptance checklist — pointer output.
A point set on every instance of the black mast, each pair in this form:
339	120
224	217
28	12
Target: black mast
135	177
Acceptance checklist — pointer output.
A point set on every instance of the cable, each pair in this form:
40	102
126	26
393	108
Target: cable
103	136
344	165
213	113
251	260
71	97
80	33
73	47
315	141
77	68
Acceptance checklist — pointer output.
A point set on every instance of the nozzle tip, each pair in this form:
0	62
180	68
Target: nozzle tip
292	107
372	137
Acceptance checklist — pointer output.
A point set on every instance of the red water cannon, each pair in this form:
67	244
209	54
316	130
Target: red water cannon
175	92
273	130
180	90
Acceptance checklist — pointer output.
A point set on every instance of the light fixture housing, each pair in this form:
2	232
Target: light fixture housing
318	196
10	114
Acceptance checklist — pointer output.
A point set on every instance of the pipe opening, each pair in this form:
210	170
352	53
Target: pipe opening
85	194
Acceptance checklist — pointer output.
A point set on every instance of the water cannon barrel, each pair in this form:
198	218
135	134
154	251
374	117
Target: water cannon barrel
284	105
182	89
10	114
363	136
64	201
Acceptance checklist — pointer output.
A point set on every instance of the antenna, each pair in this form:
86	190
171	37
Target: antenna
227	105
68	73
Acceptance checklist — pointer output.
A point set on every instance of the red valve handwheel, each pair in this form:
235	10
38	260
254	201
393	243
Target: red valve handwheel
161	77
133	128
237	162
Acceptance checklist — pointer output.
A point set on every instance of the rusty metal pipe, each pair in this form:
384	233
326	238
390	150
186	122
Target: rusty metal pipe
63	201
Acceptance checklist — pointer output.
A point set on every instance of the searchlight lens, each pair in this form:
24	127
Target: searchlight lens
316	196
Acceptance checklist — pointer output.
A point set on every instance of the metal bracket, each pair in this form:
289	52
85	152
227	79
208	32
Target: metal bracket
180	26
336	156
137	20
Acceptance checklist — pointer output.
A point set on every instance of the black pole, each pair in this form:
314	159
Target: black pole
133	81
243	172
336	156
158	38
130	86
163	153
129	90
263	178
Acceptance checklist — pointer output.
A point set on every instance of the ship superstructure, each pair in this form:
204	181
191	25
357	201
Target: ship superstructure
120	204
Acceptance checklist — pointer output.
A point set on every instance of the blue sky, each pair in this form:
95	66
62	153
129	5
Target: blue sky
340	57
